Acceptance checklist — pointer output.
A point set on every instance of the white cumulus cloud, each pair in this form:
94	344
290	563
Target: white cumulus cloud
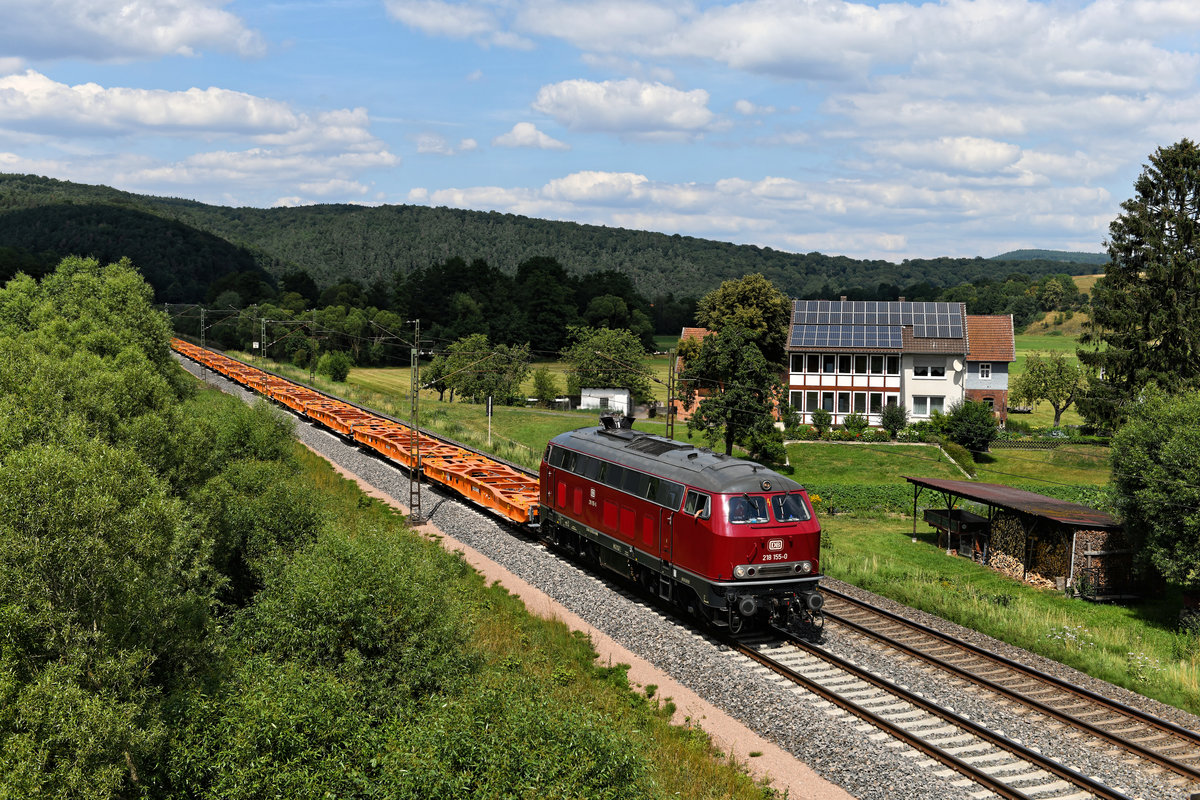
526	134
626	107
121	29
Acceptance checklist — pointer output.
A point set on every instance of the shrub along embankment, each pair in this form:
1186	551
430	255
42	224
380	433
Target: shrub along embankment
191	605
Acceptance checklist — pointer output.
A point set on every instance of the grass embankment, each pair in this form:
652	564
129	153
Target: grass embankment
536	675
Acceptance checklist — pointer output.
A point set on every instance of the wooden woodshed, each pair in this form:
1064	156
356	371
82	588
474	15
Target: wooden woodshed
1038	539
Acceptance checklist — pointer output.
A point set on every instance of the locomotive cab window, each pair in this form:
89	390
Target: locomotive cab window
746	509
789	508
698	505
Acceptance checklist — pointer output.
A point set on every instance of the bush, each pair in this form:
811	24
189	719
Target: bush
971	425
855	423
893	419
822	419
337	365
960	455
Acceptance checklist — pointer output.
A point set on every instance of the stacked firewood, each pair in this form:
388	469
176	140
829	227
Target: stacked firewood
1007	545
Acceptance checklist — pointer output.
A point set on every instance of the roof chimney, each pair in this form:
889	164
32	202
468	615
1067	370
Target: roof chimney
843	298
901	299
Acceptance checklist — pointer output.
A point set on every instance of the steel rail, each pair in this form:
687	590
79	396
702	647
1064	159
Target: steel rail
1142	717
994	784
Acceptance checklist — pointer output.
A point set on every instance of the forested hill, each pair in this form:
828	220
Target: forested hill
334	243
1096	259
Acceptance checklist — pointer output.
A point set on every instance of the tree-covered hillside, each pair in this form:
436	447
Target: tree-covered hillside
334	243
1073	257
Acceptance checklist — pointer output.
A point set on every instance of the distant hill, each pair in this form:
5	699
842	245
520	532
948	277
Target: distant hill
1053	255
373	244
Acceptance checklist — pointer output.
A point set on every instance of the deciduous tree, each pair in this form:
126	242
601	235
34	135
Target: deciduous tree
733	387
753	303
1054	378
604	358
1156	480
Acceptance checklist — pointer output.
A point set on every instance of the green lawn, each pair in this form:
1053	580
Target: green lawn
839	462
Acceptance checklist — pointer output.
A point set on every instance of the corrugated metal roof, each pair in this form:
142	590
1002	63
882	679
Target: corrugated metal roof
1073	515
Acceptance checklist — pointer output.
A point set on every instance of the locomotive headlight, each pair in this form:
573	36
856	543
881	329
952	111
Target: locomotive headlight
739	571
804	567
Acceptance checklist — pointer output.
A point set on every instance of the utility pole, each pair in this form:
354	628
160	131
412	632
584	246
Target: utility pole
203	371
671	396
414	452
262	343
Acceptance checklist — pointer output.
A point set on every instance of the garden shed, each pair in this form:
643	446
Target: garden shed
1037	539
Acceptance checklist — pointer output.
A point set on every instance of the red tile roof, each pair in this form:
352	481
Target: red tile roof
694	333
990	338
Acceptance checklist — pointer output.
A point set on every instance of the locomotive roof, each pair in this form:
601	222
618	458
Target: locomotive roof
685	463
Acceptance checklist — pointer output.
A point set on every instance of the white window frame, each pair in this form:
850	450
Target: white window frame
985	370
924	405
934	369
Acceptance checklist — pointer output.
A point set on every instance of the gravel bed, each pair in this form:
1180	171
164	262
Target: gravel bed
833	743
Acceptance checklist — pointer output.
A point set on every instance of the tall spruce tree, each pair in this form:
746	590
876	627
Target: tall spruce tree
1143	327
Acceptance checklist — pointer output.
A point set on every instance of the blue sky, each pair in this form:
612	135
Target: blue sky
874	130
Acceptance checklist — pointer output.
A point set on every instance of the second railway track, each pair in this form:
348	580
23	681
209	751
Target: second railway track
1132	730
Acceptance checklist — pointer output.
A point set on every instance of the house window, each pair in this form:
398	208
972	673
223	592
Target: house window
827	401
892	400
603	403
860	402
814	363
796	401
876	365
985	371
797	363
929	369
810	402
893	365
924	406
843	402
844	364
829	364
876	402
860	365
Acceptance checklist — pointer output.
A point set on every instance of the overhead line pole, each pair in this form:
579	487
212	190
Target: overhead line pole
414	457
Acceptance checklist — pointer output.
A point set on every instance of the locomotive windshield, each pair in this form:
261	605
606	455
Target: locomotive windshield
749	509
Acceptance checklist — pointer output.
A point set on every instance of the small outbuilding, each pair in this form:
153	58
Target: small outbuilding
1037	539
616	400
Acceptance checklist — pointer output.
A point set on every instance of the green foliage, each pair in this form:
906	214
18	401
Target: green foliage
545	387
971	425
960	454
753	303
373	608
475	369
1054	378
893	419
822	420
602	358
336	365
855	424
1143	326
733	388
1156	483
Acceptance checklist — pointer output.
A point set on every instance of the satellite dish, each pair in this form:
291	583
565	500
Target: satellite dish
958	364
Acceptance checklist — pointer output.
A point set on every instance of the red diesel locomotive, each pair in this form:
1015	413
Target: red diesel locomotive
730	539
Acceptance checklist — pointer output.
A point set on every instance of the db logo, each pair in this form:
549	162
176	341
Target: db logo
593	491
775	544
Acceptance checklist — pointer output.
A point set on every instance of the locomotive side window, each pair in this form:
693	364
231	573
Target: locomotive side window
613	475
669	494
698	505
789	508
589	467
746	509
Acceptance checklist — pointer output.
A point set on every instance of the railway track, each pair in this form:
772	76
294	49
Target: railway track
1002	767
1155	740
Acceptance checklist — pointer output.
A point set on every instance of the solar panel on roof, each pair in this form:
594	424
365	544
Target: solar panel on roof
881	336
